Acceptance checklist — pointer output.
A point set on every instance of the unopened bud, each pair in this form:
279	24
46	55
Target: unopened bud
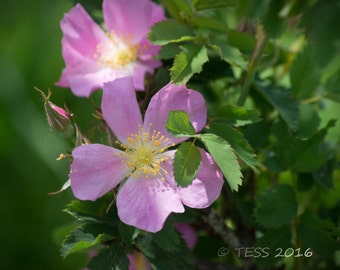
57	118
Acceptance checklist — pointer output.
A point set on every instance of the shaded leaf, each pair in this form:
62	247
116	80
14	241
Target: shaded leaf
285	104
111	258
317	234
236	116
228	53
86	237
168	238
276	206
270	244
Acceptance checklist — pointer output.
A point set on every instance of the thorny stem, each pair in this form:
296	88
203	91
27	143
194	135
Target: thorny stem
261	43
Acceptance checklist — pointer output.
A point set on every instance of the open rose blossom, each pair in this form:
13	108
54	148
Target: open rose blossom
93	56
143	163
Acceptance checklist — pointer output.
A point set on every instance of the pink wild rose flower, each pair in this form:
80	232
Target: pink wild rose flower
93	56
143	165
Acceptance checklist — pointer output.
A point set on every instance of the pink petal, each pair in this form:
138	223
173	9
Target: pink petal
131	17
81	32
146	203
95	170
120	108
188	233
207	186
173	97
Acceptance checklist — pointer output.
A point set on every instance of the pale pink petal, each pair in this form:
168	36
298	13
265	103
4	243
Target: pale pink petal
120	108
133	17
173	97
81	32
188	233
95	170
146	203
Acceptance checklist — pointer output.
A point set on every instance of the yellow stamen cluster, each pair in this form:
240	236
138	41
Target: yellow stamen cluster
144	153
118	53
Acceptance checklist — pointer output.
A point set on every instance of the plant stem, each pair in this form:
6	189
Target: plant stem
261	43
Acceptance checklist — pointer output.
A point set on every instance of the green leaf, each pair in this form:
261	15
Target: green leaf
276	206
271	242
285	104
92	211
161	259
127	233
178	124
317	233
86	237
187	163
241	146
111	258
170	31
188	62
273	23
210	4
236	116
309	121
307	155
304	75
225	158
253	9
181	10
168	238
228	53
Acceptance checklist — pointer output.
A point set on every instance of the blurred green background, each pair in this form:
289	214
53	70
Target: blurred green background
30	55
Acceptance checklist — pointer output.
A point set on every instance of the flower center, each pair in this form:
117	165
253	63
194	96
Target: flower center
144	153
117	53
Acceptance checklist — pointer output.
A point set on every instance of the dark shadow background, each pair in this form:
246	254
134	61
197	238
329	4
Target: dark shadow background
32	222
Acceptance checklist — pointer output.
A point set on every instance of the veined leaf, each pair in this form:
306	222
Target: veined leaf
236	116
179	125
113	258
86	237
188	62
225	158
228	53
170	31
187	162
241	146
285	104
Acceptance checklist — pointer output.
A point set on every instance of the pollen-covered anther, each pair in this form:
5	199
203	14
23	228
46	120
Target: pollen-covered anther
144	153
118	52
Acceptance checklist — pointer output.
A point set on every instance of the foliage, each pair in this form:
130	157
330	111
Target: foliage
268	71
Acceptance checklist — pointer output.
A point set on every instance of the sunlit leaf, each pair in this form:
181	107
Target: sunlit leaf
225	158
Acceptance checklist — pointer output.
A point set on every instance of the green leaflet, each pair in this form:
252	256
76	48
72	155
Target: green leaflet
225	158
170	31
187	163
86	237
188	62
113	258
178	124
276	206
